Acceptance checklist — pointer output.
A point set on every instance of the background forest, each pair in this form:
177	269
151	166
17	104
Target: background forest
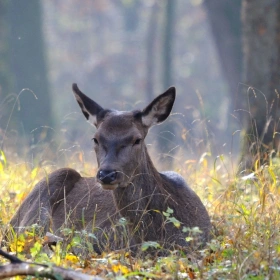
125	52
120	53
223	58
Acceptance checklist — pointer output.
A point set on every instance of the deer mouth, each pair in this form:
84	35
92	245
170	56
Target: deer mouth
109	187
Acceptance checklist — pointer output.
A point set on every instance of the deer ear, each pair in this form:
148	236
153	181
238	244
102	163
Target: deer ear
89	108
159	109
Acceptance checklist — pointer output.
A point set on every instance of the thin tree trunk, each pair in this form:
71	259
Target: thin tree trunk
166	131
151	58
225	22
29	66
261	29
168	43
6	75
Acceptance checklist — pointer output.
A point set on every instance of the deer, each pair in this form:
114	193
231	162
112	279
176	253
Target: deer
127	185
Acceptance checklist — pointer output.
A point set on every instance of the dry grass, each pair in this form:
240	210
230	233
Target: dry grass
244	212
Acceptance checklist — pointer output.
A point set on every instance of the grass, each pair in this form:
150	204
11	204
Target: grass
244	212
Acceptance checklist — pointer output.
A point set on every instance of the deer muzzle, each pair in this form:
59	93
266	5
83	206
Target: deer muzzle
107	178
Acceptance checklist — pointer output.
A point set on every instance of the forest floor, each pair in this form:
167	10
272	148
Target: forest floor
244	210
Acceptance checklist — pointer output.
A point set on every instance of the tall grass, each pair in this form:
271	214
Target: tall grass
244	212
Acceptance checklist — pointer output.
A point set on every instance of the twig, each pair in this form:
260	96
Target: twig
19	267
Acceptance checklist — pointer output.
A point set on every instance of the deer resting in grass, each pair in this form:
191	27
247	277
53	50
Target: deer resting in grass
126	185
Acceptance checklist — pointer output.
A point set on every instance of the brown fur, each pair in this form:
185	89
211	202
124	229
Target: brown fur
139	193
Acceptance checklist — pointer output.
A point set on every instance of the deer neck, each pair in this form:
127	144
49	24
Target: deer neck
146	184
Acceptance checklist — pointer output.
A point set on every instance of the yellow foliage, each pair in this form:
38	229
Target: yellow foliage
17	246
120	268
1	168
245	215
71	258
34	172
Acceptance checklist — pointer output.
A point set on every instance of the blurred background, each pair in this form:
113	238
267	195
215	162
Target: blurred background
121	53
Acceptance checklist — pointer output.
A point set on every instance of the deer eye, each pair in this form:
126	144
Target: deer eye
95	141
137	142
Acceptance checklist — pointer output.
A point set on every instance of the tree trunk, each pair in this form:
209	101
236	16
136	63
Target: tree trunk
225	22
168	42
261	46
6	76
29	67
151	54
166	131
5	71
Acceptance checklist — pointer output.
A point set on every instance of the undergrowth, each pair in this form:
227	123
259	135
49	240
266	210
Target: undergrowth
244	210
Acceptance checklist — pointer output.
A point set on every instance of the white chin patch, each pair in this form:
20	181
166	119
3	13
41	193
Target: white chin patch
109	187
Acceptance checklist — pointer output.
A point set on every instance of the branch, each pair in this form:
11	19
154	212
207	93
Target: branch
18	267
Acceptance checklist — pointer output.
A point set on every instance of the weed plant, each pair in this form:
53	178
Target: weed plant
244	210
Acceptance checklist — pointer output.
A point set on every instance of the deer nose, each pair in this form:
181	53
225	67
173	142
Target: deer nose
107	176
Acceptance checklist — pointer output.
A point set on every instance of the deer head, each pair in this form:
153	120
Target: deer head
119	137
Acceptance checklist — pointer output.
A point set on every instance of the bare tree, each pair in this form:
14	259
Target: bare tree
6	75
28	64
168	42
150	55
167	72
225	22
261	46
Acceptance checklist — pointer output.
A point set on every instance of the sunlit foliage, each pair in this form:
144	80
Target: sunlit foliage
244	209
